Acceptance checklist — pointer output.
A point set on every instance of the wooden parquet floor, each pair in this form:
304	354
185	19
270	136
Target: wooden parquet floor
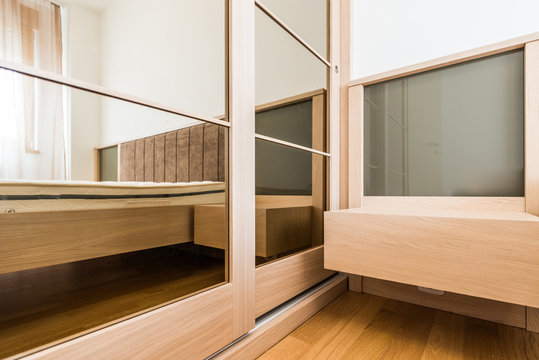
367	327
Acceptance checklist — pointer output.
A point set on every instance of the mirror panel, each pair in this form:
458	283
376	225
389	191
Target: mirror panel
109	250
456	131
307	18
290	200
167	51
59	133
289	88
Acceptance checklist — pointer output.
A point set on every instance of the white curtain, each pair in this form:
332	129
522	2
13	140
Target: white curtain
32	143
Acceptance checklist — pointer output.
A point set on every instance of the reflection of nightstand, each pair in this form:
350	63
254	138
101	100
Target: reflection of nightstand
279	229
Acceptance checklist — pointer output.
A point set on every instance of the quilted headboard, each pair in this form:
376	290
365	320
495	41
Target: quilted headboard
195	153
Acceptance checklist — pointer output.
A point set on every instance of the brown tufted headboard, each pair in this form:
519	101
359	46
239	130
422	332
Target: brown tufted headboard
195	153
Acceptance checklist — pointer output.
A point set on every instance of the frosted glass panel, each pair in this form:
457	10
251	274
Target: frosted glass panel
457	131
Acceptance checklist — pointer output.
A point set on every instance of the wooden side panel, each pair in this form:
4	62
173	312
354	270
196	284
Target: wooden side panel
531	126
355	144
190	329
149	159
279	281
532	321
222	153
501	312
241	113
97	165
127	161
182	155
139	160
170	156
437	203
490	258
159	158
345	43
210	226
355	283
280	201
318	166
211	152
196	153
286	229
67	236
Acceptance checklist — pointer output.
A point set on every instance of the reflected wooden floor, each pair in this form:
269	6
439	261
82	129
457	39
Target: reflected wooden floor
44	305
361	326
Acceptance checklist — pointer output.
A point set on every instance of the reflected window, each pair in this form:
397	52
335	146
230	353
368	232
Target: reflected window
456	131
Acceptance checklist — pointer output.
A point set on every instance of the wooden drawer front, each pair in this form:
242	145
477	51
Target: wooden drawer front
282	229
32	240
491	258
278	230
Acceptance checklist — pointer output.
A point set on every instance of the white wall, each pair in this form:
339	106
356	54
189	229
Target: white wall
388	34
173	52
83	62
283	67
167	51
306	17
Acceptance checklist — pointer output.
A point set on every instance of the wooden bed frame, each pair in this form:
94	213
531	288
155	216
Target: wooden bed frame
93	221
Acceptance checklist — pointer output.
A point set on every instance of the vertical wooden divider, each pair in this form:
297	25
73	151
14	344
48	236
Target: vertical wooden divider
355	144
241	106
531	127
318	162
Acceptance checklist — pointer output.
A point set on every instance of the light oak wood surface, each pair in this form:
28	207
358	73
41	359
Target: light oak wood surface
210	226
241	112
289	100
437	203
318	169
281	280
280	230
255	343
345	40
355	283
46	306
484	254
189	329
282	225
279	201
496	311
211	193
355	143
532	320
362	326
531	126
69	236
333	104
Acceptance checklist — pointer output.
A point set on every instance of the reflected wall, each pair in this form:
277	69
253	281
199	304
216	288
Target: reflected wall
457	131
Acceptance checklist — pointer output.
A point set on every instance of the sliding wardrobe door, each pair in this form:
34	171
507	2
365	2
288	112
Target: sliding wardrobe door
127	198
291	148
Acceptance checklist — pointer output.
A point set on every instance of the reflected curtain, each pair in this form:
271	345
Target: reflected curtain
32	136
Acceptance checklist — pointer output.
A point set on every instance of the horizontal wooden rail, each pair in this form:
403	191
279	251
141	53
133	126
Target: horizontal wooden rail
292	145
